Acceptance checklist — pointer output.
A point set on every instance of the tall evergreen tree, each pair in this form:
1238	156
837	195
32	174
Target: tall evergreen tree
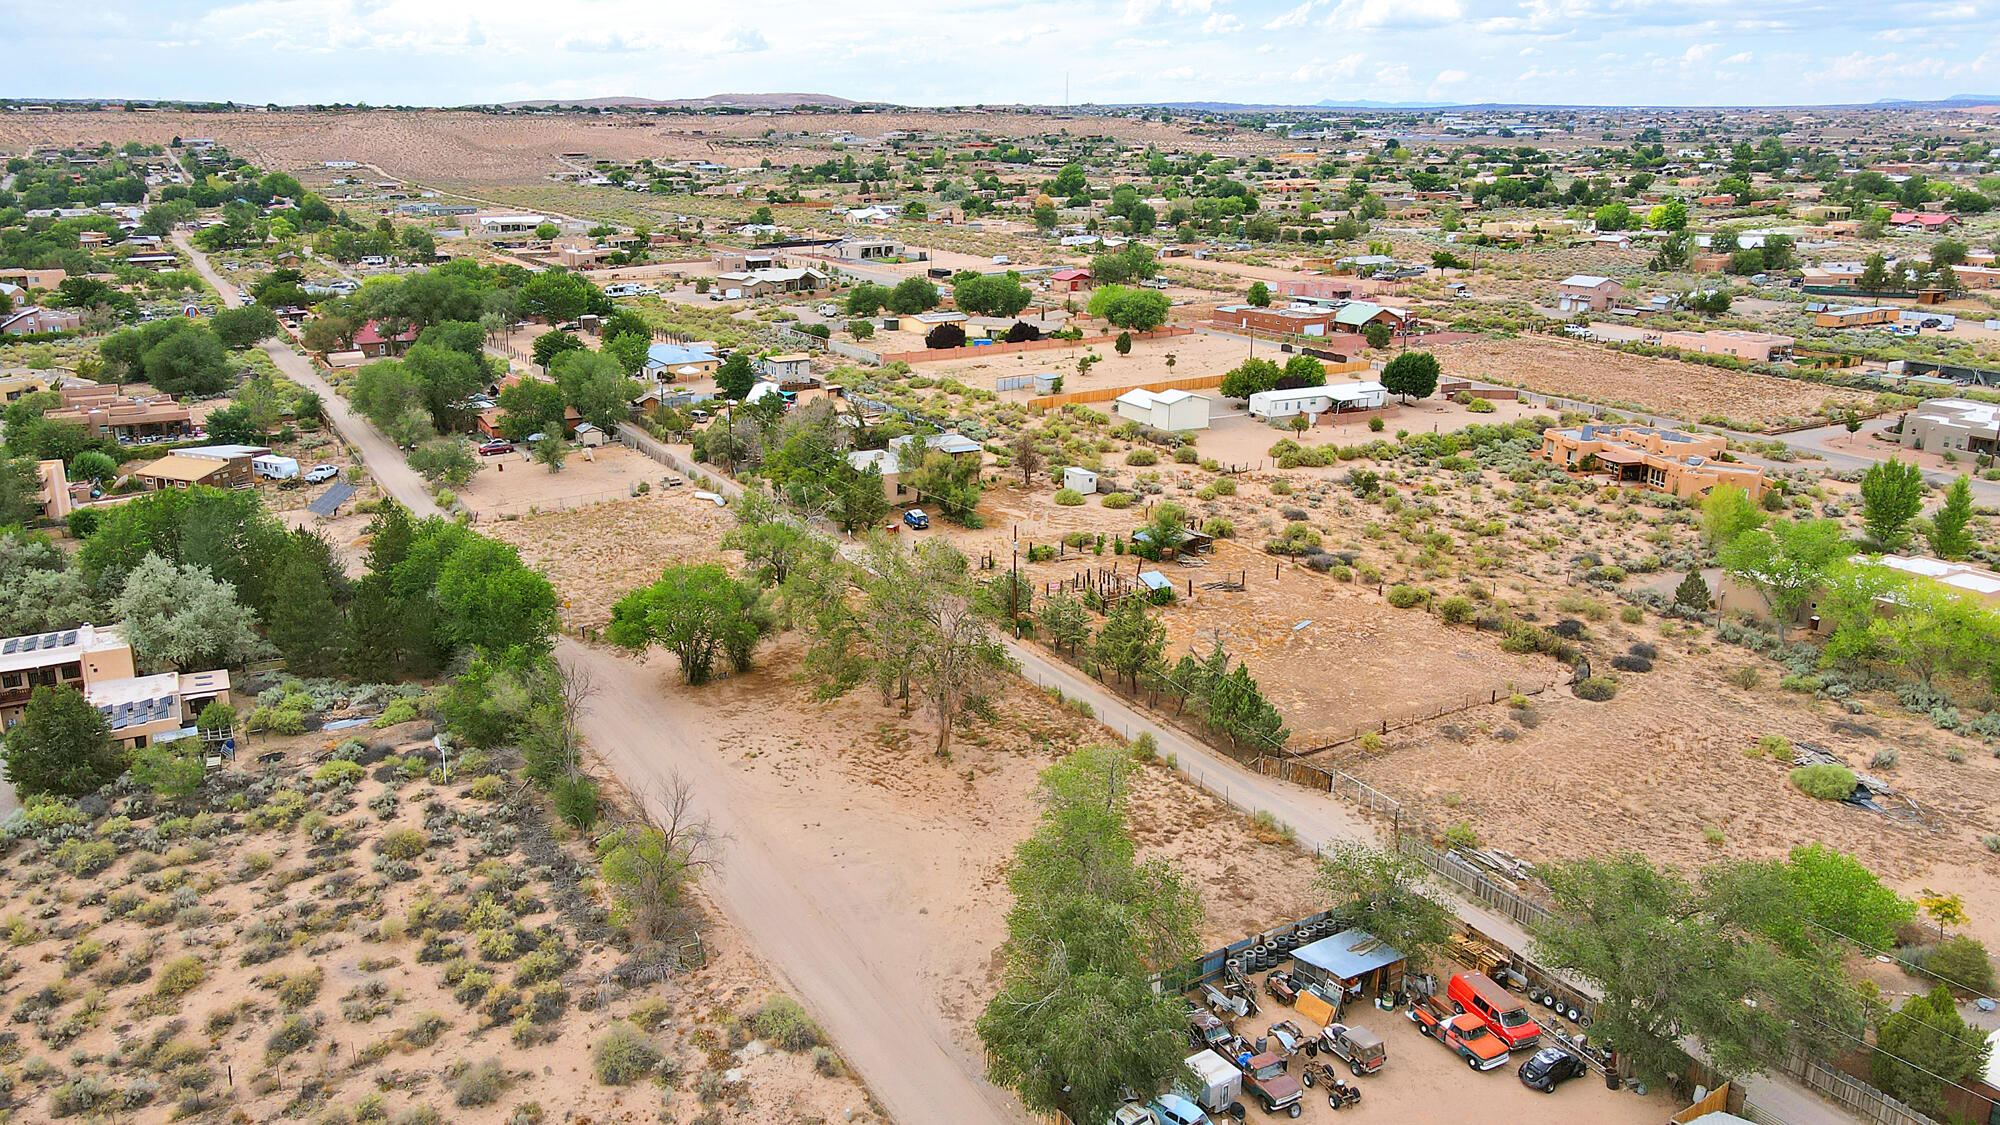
304	623
62	745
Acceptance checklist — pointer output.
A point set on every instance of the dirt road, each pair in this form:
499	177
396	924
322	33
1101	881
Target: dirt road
819	922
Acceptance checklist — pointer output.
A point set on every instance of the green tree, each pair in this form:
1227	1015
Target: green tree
191	361
1948	534
61	746
447	461
1787	561
913	295
531	406
1923	1046
184	617
735	378
595	385
489	599
1123	344
1671	215
1412	375
1249	377
1874	276
305	625
649	863
557	295
549	345
1065	621
1692	593
1614	216
1076	1022
1377	334
1892	493
979	295
245	326
1387	895
1834	892
172	769
697	613
1260	294
1133	642
1727	512
867	299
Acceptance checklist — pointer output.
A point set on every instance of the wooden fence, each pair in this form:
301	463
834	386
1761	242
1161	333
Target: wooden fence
1472	884
1849	1093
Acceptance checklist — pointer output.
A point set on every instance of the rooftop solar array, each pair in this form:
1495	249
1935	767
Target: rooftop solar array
37	642
138	713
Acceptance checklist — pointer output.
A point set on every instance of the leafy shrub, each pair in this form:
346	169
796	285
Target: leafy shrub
783	1023
1117	500
1455	610
337	773
1961	962
1824	780
1597	689
623	1056
401	843
1459	834
1631	664
296	1032
179	977
1142	457
481	1085
1217	527
83	858
1069	497
1405	597
576	800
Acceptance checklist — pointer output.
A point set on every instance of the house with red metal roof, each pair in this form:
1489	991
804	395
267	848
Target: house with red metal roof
1072	280
1922	220
370	342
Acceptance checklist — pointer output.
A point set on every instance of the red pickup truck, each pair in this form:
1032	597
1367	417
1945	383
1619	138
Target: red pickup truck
1466	1034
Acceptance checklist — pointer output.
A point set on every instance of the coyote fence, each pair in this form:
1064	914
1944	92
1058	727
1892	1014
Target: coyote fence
1468	881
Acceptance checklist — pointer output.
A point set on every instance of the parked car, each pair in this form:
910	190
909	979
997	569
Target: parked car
1500	1010
916	518
1550	1067
495	447
1172	1109
1464	1033
1132	1113
1206	1030
1361	1049
699	415
321	473
1266	1079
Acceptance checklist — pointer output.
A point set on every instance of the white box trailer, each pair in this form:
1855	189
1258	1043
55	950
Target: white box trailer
1218	1084
1365	395
270	466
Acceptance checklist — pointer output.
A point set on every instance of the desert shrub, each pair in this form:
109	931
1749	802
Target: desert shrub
1746	678
1776	745
1597	689
1218	527
1824	780
784	1024
83	858
481	1085
623	1056
1459	834
1117	500
827	1064
337	773
401	843
576	800
420	1114
1068	497
179	977
1405	597
1631	664
1885	759
425	1031
1455	610
1961	962
1186	455
297	1032
1632	615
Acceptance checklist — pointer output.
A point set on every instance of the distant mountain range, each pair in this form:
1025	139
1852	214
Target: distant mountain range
713	101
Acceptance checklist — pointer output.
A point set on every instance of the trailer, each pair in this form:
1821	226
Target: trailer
270	466
1218	1084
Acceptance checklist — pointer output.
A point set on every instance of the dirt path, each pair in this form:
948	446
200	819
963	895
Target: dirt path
820	923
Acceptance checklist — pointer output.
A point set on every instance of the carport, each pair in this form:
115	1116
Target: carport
1352	962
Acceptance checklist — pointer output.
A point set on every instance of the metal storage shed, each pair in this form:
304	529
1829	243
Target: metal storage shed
1347	959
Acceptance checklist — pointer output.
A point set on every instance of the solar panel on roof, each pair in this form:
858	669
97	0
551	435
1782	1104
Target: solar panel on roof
12	645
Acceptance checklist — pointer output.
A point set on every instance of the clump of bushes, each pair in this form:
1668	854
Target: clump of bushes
1455	610
1069	497
1142	457
1405	597
401	843
1115	500
784	1024
481	1085
1824	780
623	1056
1597	689
179	977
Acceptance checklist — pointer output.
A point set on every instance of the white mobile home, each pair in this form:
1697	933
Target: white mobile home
270	466
1173	411
1333	398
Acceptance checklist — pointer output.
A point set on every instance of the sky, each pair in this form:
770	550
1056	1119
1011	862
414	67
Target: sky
963	52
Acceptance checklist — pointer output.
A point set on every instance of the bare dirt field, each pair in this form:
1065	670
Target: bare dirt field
511	485
595	554
1556	366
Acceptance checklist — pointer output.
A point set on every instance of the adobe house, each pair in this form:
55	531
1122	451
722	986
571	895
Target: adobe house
1686	465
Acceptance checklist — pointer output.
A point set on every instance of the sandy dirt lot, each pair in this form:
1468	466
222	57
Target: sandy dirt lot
1561	367
594	554
512	485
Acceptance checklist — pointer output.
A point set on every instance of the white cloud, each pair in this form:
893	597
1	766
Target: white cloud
1221	23
1395	13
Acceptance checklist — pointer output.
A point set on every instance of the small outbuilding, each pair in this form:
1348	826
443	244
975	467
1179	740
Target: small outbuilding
1352	962
1081	479
1174	411
588	434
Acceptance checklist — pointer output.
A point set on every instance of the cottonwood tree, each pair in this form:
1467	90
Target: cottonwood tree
1411	374
1948	534
183	617
697	613
958	661
62	745
1675	960
1077	1022
649	861
1026	455
771	538
1387	895
1726	512
39	590
1786	561
1892	493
